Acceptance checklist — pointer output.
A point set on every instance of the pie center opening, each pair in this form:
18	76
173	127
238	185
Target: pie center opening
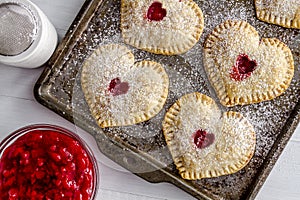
156	12
203	139
243	68
117	87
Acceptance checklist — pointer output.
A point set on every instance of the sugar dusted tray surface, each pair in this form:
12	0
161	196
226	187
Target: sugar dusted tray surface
186	75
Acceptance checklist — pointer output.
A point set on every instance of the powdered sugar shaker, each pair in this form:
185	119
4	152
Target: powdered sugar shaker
27	37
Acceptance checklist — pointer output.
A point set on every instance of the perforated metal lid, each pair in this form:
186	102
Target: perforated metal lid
17	29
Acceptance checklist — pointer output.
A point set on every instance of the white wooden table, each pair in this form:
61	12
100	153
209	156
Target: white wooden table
18	108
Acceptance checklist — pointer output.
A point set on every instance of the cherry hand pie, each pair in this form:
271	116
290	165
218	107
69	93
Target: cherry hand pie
205	143
119	91
285	13
243	68
161	26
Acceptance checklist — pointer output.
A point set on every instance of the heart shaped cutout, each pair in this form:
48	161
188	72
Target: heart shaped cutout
156	12
161	26
244	69
117	87
119	91
205	143
202	139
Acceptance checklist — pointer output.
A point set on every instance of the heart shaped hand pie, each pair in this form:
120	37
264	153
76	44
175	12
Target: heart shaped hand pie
244	69
203	143
120	92
161	26
285	13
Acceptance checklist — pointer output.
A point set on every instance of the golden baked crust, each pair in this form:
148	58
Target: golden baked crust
233	146
285	13
120	92
270	78
179	30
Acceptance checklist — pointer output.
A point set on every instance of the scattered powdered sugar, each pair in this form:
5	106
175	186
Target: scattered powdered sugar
186	75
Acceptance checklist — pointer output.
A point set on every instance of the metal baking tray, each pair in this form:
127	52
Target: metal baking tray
141	148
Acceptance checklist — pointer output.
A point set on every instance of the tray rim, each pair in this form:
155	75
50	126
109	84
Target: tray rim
86	13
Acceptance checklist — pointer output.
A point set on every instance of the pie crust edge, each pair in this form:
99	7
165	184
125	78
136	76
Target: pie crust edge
216	79
178	158
172	50
103	123
269	17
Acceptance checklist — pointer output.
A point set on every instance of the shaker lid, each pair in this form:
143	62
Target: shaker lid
18	29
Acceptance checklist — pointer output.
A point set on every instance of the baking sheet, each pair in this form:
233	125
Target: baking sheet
141	148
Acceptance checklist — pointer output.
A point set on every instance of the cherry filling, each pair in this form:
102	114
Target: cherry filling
156	12
46	165
116	87
202	139
243	68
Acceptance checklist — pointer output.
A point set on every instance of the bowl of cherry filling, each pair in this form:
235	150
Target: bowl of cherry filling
47	162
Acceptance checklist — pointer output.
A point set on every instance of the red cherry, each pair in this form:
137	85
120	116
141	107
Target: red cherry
13	193
66	155
202	139
243	68
156	12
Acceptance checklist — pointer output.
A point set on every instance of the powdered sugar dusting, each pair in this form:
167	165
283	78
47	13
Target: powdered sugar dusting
280	8
177	32
274	71
186	75
120	92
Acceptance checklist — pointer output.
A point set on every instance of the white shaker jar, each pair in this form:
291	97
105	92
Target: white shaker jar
27	37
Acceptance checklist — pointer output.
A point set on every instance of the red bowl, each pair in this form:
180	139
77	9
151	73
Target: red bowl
47	161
